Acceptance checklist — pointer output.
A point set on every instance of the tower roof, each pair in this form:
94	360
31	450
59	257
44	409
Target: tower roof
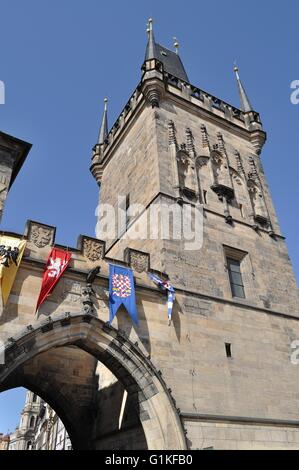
171	60
104	126
245	103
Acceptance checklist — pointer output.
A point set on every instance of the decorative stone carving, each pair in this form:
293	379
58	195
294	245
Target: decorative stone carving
40	235
138	260
258	203
183	157
186	169
253	174
3	190
3	183
88	292
86	297
204	136
190	147
240	167
236	177
222	181
256	195
201	161
172	140
153	96
92	248
221	144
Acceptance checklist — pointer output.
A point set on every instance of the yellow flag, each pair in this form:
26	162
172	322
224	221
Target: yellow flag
11	252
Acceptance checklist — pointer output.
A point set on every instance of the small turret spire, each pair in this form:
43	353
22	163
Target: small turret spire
151	45
246	106
170	60
104	126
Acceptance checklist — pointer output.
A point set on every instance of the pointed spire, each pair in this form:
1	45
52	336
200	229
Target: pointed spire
151	52
104	126
245	103
170	60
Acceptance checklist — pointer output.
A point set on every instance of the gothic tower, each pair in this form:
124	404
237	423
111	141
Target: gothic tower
175	145
183	171
178	146
25	434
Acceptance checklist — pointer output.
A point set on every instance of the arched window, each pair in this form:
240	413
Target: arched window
29	445
32	422
34	399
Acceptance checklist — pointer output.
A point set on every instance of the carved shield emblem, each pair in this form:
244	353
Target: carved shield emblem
41	236
93	250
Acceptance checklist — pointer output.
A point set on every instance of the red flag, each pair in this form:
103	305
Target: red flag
56	265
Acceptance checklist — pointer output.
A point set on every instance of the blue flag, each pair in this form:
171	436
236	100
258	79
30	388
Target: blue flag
122	292
165	286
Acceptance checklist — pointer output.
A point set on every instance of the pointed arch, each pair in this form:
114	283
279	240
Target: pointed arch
160	419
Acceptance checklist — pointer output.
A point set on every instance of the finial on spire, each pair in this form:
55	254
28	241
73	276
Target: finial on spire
246	106
104	126
176	45
151	45
149	25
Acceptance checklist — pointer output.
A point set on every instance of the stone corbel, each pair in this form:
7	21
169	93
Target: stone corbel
153	90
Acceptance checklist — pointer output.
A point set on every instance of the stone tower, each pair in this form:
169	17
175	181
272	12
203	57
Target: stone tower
24	436
176	145
220	375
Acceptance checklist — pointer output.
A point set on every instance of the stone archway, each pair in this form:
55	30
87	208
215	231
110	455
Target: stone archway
160	419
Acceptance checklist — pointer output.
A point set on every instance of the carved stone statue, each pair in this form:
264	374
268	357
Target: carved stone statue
88	292
186	167
257	200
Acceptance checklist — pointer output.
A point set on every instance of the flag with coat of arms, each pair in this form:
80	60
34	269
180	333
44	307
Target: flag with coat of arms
57	263
122	292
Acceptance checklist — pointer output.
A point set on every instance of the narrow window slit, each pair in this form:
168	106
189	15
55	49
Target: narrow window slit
228	350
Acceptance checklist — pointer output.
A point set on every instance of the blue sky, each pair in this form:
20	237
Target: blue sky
59	59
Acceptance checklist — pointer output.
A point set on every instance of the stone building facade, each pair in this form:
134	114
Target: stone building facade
4	441
40	428
220	375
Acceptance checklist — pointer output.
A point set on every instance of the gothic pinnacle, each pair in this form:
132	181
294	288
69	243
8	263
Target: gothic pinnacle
246	106
104	126
151	45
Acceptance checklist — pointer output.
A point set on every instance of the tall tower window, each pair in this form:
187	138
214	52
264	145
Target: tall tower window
127	210
32	422
235	277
